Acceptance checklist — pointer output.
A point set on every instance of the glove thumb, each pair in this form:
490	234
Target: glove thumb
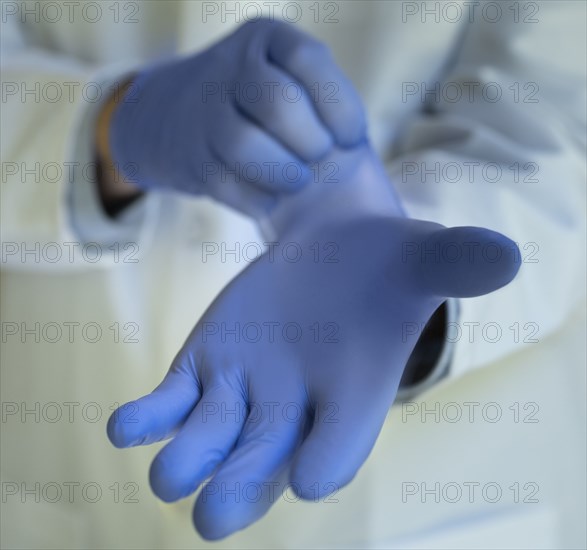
462	262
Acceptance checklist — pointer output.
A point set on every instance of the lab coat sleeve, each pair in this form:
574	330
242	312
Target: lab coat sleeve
51	214
507	154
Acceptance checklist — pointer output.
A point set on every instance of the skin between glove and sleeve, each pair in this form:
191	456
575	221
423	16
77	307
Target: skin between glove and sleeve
241	121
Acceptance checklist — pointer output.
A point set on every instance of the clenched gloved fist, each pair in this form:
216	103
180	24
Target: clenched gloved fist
241	122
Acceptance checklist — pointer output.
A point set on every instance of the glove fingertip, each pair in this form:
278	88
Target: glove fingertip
118	431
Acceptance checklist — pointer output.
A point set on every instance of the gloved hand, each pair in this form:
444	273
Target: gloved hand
290	373
241	122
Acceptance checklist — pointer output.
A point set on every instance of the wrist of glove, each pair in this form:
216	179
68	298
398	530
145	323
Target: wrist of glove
348	184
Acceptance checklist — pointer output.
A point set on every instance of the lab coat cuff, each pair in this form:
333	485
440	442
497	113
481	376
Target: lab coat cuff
442	367
85	216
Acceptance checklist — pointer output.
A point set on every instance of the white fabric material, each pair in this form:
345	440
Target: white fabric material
153	276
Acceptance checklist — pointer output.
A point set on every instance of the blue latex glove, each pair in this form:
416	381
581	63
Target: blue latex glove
241	121
301	390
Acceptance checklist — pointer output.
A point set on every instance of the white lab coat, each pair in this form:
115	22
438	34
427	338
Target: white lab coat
107	329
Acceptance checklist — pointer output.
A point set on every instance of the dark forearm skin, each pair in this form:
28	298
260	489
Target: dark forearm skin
116	192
